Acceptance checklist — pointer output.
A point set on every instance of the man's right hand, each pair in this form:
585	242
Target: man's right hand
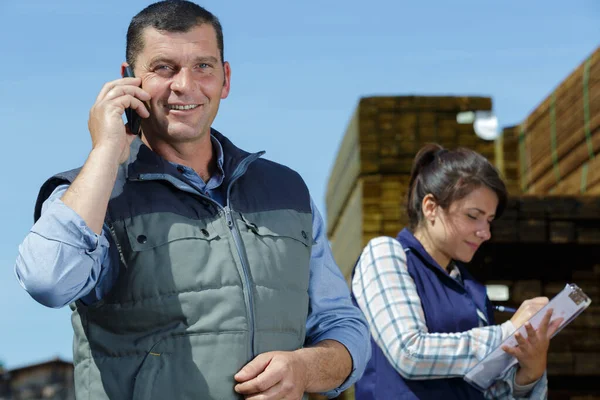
89	193
527	310
106	116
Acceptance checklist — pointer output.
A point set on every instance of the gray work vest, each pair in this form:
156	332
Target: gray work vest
202	289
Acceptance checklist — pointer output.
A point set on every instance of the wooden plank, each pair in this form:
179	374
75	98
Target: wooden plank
574	137
565	85
568	113
570	162
569	116
506	159
562	232
580	180
346	240
344	174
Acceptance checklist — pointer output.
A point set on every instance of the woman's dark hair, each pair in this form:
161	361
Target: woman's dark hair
450	175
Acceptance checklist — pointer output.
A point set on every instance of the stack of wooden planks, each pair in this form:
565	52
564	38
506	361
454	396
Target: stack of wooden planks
366	192
549	219
540	244
506	159
559	140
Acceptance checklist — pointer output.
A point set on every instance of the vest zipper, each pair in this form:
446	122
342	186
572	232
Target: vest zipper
239	171
237	238
248	295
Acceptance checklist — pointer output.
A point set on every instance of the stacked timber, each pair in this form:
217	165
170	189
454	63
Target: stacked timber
549	219
539	245
506	159
561	137
366	192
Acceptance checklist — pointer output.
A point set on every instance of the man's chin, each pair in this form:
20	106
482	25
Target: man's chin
182	131
175	131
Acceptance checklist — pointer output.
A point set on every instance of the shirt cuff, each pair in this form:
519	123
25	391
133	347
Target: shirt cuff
507	329
61	223
522	390
359	360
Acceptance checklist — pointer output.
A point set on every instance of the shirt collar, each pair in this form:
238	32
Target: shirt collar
220	173
216	179
220	157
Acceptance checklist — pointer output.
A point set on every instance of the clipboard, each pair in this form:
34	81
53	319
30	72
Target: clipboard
567	304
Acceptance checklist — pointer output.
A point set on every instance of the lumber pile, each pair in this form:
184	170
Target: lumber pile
506	159
366	192
550	219
559	140
539	245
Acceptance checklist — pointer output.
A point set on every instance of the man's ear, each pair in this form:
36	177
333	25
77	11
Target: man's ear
226	80
429	208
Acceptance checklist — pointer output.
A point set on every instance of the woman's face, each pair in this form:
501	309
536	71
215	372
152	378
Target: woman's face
459	231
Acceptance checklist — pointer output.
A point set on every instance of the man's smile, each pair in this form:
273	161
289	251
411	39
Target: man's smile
182	107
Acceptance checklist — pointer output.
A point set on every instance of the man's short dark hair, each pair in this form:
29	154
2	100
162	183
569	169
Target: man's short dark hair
169	16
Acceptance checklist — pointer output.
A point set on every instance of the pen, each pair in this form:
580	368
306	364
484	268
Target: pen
505	309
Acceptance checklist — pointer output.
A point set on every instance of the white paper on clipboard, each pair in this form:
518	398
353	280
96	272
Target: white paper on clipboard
568	304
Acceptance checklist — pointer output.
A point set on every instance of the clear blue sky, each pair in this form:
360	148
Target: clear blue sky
299	69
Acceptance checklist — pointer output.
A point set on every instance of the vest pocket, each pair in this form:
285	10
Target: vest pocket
163	255
146	376
292	231
194	366
278	247
154	230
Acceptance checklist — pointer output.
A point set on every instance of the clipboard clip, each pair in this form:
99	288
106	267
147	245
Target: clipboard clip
577	295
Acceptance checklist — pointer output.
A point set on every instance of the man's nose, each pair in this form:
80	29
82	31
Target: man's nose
181	80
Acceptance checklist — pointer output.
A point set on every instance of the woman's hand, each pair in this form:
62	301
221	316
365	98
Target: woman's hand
532	351
527	310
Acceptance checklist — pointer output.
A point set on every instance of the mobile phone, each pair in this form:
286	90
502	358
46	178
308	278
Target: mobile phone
133	119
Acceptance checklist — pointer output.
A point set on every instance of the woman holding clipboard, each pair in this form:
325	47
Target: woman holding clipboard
430	321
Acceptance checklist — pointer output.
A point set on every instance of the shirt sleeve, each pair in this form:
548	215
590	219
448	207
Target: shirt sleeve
506	388
519	391
62	260
331	314
387	295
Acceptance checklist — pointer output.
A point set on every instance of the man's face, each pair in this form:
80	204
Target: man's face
184	74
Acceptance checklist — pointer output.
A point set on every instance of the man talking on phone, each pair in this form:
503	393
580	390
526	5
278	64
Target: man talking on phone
194	269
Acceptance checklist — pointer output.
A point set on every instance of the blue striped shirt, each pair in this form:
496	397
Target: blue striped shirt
387	295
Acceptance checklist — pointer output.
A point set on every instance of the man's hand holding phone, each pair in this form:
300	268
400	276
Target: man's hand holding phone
106	116
89	193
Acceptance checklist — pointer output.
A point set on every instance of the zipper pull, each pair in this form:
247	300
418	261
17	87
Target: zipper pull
228	217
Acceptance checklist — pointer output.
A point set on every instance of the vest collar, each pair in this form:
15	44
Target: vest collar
144	161
477	291
408	240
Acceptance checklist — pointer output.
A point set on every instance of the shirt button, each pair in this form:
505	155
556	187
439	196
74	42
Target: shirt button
304	235
180	169
204	232
142	239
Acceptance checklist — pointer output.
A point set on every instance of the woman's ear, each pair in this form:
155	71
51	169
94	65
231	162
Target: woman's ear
429	207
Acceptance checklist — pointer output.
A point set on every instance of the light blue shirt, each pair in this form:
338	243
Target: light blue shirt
62	260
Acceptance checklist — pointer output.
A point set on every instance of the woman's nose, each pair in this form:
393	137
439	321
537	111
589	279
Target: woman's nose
484	234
